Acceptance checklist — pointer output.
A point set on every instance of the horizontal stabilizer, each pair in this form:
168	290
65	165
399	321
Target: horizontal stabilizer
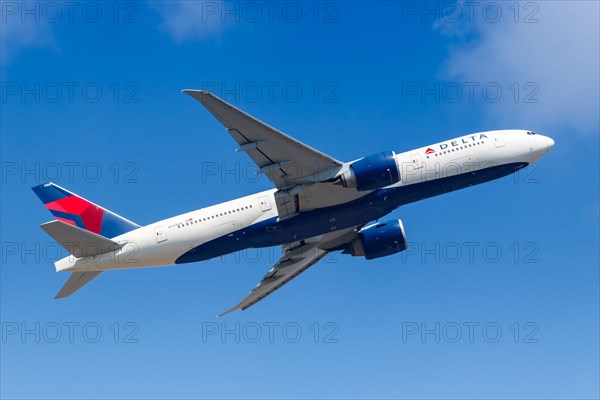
75	282
77	241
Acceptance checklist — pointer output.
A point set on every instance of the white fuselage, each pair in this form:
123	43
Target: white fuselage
161	243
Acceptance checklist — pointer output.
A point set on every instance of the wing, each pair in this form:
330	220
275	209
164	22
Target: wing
302	174
286	161
297	258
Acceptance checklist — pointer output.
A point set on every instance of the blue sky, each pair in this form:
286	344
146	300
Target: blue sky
497	296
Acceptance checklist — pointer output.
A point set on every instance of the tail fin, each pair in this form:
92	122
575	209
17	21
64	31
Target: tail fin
74	210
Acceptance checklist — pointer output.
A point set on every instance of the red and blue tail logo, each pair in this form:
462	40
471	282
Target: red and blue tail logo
72	209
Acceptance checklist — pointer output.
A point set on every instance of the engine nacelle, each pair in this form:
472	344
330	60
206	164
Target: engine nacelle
372	172
379	240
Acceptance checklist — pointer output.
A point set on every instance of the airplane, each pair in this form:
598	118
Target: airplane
319	204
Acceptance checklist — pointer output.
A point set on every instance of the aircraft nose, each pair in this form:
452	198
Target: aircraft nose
548	142
539	145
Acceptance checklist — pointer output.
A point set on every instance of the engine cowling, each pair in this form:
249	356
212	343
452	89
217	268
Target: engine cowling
372	172
379	240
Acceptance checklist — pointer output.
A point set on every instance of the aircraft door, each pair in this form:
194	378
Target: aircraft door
415	159
265	204
159	234
499	140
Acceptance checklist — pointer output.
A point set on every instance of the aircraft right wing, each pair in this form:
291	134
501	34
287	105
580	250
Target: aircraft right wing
297	258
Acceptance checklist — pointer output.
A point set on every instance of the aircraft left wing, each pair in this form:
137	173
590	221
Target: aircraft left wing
286	161
297	258
302	175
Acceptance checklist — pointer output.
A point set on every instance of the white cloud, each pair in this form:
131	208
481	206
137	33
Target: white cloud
192	20
18	32
559	53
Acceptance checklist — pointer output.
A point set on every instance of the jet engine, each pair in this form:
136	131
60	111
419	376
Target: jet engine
379	240
372	172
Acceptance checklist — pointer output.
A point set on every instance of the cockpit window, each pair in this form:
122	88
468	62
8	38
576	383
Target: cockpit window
530	133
